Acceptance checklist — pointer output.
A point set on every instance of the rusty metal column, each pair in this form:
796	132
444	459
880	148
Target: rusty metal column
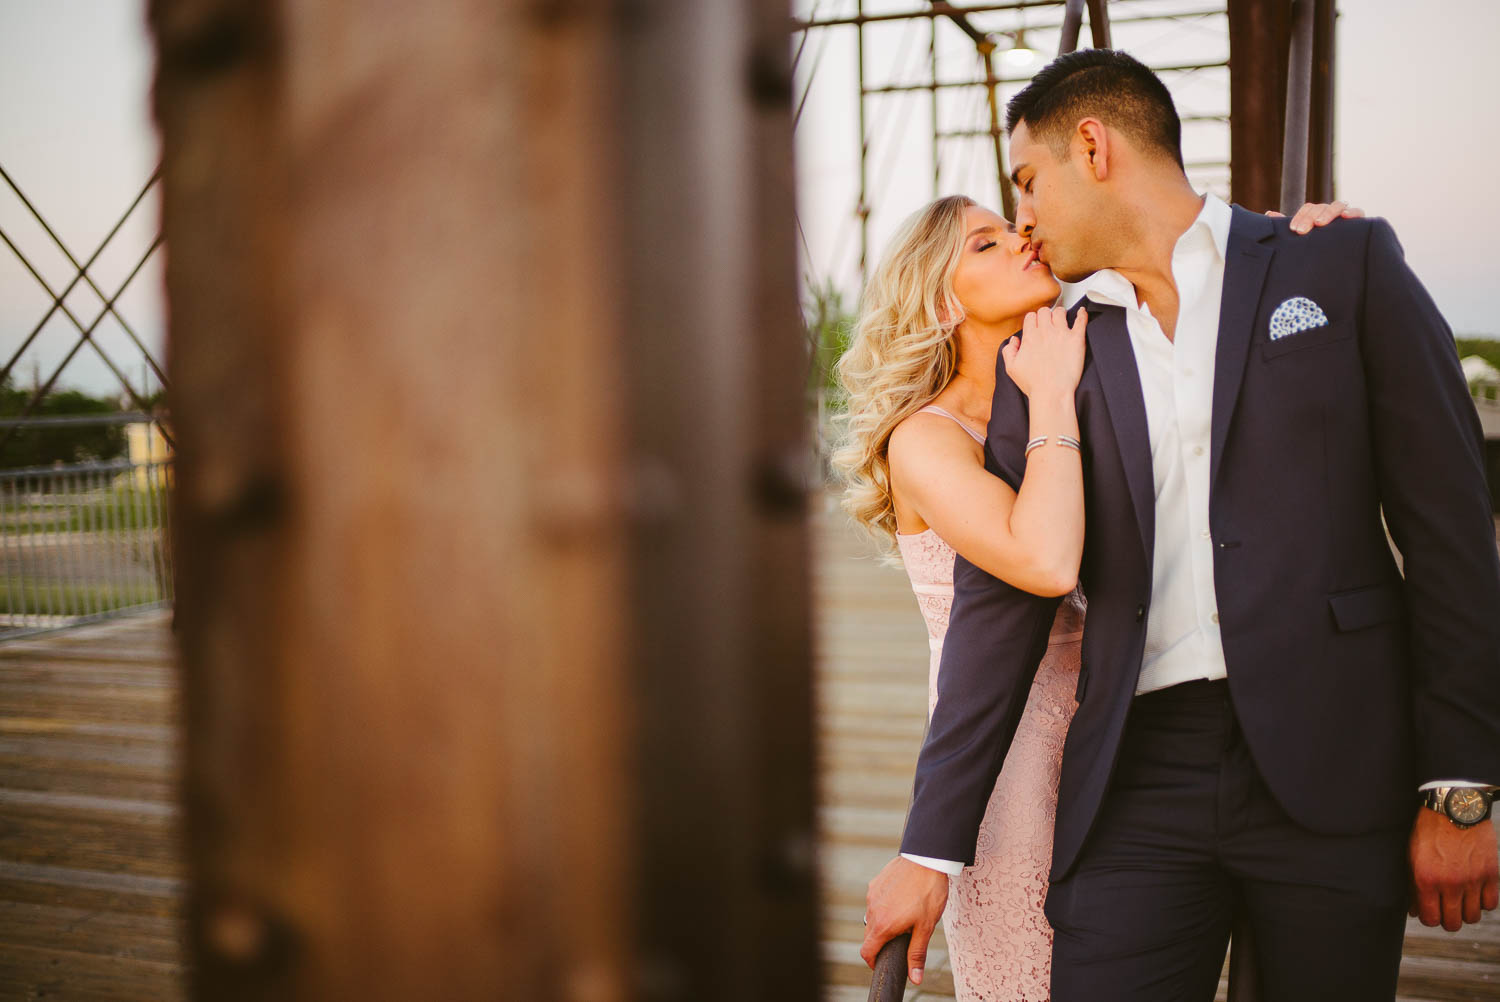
1258	33
720	596
1099	24
492	587
863	208
401	614
1320	144
997	134
1298	107
1071	26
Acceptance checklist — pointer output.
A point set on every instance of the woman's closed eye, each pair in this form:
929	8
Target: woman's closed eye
986	245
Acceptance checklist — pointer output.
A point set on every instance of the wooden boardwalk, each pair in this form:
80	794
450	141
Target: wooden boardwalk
90	883
872	692
90	878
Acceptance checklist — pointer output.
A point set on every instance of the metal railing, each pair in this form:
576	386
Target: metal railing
83	541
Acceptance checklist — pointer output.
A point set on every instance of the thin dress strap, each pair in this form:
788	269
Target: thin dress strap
934	408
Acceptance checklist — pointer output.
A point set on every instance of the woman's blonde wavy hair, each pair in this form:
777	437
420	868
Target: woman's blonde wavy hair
902	353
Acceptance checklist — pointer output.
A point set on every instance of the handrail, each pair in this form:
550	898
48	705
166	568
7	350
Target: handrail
888	983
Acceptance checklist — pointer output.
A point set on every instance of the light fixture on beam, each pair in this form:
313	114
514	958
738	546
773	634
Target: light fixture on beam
1019	56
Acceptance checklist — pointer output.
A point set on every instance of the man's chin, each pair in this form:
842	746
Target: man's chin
1065	273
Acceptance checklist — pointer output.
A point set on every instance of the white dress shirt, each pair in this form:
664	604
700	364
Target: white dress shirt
1183	642
1177	382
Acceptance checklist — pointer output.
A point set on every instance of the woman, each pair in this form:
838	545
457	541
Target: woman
955	284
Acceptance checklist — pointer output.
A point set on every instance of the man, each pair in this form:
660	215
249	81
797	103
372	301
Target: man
1270	715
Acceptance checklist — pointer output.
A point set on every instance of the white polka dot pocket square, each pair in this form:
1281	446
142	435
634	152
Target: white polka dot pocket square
1296	315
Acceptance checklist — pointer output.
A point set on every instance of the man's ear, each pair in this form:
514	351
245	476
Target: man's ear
1092	141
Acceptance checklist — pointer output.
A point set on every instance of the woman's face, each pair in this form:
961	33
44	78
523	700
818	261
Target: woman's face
998	277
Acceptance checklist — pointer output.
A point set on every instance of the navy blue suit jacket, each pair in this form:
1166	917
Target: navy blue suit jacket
1353	685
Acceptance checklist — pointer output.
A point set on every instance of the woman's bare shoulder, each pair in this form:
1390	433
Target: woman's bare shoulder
925	436
926	450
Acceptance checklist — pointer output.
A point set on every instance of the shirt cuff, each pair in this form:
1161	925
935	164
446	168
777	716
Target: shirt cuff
947	866
1453	782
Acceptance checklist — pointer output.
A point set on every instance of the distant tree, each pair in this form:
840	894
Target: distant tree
1486	348
829	325
66	444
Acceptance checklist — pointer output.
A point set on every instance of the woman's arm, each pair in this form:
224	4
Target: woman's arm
1032	539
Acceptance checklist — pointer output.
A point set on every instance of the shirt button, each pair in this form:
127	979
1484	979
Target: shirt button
1197	450
1206	534
1140	613
1187	372
1214	617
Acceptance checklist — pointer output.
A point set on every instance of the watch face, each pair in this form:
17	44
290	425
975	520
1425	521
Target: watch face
1466	806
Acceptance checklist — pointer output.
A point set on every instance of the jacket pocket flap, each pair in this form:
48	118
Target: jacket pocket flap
1363	607
1338	330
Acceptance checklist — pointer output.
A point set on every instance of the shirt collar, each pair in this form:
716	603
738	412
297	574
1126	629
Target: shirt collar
1109	287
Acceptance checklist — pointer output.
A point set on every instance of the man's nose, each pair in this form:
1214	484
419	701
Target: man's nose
1025	219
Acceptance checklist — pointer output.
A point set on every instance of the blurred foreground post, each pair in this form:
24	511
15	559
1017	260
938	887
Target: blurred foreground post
492	599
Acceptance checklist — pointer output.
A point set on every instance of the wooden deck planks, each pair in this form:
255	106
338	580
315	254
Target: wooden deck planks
91	884
872	697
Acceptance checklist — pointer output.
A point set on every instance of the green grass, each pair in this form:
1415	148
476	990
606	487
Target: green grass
126	509
18	597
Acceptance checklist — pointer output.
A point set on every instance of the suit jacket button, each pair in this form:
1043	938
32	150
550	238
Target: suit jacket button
1140	613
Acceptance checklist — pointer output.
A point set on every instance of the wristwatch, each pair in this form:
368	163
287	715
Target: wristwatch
1465	806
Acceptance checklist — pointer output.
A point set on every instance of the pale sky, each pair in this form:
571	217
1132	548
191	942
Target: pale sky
76	136
1416	143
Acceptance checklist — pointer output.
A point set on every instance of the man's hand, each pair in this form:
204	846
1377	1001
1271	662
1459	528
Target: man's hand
1454	870
1319	214
904	895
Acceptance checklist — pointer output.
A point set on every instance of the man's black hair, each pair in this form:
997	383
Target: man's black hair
1106	84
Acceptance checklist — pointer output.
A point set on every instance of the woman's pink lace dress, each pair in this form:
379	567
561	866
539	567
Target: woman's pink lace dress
999	942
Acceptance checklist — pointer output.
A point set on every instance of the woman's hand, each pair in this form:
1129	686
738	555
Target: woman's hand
1047	360
1319	214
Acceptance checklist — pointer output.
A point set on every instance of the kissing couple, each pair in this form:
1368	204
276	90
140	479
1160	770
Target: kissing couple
1258	718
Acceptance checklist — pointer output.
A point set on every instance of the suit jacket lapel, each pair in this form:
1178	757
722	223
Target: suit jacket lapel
1246	261
1114	360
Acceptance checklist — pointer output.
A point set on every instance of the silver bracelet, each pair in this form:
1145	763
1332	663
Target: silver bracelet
1065	440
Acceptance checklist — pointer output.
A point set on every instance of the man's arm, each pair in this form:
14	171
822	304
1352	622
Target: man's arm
1429	451
996	637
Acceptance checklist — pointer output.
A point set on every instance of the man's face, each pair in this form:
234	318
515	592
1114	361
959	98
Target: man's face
1054	200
